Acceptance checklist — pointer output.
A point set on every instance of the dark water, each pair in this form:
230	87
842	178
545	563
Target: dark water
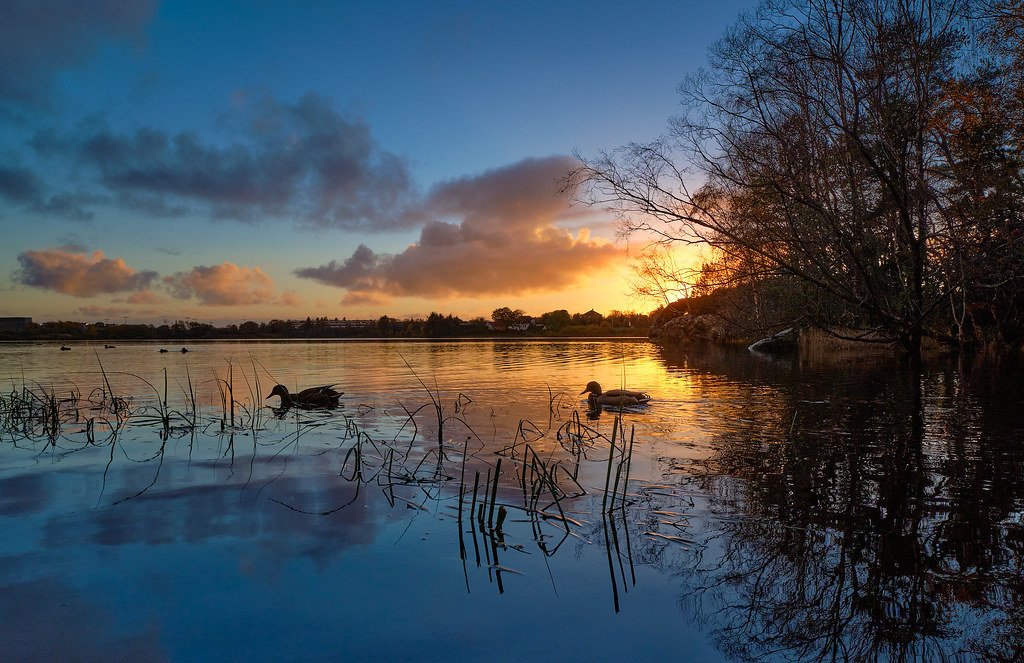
841	509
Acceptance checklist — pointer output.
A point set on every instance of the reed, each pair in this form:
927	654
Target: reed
226	390
255	423
162	411
494	492
481	507
625	458
192	416
476	488
435	402
230	386
462	480
629	465
608	472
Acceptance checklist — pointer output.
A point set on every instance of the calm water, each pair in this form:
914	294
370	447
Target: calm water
775	509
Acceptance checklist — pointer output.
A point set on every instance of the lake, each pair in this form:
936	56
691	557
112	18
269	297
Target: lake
154	506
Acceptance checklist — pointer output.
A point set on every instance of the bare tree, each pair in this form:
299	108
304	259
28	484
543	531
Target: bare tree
807	152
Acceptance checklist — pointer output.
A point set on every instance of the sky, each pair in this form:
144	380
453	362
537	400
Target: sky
231	161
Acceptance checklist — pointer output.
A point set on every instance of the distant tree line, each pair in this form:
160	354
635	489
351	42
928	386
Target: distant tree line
504	322
852	164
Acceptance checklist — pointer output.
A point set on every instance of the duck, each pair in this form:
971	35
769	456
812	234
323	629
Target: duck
64	348
184	349
163	349
325	396
613	397
107	346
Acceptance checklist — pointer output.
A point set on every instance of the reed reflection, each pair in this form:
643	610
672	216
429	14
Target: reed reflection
798	510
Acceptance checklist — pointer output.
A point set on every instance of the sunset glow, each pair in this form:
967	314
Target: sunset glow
183	160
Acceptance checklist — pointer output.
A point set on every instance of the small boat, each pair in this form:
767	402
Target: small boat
325	396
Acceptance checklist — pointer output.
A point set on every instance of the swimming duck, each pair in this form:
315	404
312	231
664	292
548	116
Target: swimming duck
163	349
64	348
325	396
613	397
184	349
107	346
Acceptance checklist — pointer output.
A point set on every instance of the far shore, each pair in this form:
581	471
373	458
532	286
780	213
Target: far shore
302	339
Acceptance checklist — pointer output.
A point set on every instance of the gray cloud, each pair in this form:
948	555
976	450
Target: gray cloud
23	187
19	185
78	274
39	37
73	243
151	206
521	195
69	205
302	162
359	267
506	243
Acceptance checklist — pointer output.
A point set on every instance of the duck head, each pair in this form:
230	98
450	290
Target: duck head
592	387
280	390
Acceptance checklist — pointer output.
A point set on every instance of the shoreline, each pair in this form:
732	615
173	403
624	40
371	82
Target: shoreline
363	339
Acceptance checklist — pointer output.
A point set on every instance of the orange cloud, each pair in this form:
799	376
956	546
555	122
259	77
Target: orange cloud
290	298
507	242
225	284
73	272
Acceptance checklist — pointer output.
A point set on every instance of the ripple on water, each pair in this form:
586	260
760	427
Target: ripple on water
753	485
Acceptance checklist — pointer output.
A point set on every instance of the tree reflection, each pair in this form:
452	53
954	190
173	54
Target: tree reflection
881	526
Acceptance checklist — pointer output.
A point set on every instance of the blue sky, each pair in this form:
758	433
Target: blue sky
248	160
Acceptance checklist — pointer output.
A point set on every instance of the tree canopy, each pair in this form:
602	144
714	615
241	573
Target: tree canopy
865	154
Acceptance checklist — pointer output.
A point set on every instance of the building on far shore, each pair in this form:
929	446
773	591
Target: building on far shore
14	324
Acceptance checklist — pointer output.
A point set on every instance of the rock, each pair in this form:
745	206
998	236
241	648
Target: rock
693	328
780	343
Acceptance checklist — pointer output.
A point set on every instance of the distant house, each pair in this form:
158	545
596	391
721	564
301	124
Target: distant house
349	324
592	317
16	325
522	324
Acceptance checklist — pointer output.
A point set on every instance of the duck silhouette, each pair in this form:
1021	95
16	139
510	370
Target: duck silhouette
614	397
324	396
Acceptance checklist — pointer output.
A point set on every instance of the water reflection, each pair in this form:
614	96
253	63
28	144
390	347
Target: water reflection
884	523
849	509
